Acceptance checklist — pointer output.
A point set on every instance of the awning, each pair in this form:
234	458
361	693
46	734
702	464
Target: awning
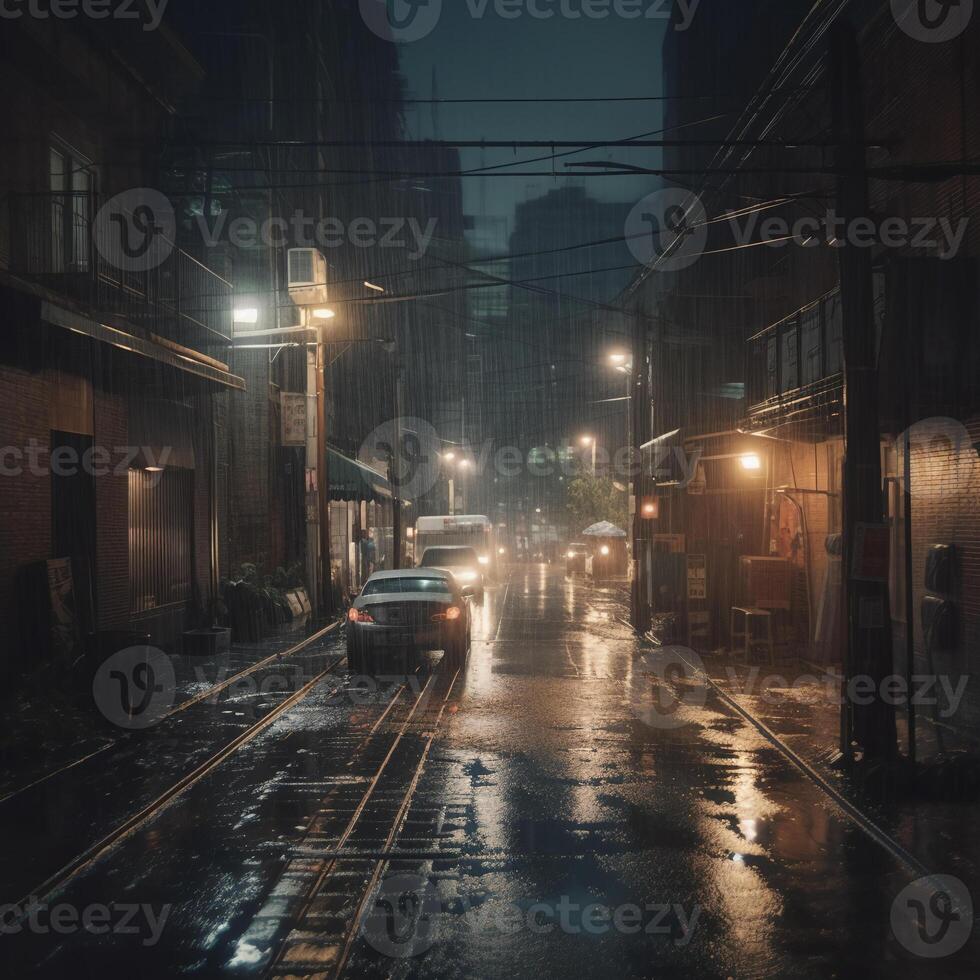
351	480
163	352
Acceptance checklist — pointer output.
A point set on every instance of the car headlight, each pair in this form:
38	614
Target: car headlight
467	576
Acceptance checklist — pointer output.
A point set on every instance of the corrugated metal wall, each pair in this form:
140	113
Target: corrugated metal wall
161	538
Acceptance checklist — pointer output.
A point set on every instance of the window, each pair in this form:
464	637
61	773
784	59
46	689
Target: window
811	346
790	357
772	367
72	184
440	557
833	318
390	586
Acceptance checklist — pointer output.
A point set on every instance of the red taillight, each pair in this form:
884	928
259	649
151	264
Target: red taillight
451	614
359	616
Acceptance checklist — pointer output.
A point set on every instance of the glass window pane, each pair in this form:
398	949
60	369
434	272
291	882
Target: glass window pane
790	358
811	346
833	318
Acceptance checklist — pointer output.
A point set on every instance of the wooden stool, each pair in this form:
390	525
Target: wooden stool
746	637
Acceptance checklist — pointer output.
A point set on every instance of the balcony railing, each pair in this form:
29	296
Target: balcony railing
51	241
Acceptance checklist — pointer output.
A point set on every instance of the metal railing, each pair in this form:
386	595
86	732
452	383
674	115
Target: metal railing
51	240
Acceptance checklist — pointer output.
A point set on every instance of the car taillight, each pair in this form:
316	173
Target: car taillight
451	614
359	616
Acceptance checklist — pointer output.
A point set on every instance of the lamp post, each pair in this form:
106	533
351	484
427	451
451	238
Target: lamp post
454	465
588	441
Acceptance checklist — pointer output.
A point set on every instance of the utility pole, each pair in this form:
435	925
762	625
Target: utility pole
396	470
639	413
323	473
868	723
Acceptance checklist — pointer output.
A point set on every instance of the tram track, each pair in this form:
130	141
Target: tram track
58	880
205	695
314	937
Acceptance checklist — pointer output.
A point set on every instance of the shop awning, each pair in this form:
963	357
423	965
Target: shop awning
351	480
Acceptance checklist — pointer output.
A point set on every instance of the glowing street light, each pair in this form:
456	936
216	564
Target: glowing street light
751	462
323	314
246	314
593	442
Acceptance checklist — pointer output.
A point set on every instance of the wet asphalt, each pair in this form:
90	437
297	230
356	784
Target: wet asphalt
568	821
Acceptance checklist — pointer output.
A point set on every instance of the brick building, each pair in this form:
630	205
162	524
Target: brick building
110	372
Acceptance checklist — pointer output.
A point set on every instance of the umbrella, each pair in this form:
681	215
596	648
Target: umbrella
604	529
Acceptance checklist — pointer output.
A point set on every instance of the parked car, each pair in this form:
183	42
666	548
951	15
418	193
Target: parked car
408	611
461	561
575	558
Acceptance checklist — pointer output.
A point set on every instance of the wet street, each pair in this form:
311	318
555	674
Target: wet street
546	810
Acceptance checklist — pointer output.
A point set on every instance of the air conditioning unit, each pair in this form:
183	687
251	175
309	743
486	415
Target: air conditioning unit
307	276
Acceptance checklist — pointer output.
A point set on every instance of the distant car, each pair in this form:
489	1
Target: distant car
411	610
461	561
575	558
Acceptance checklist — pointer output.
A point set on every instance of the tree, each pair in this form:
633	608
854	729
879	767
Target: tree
592	499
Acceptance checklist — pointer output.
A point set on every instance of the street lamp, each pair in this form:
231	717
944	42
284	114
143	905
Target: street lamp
751	462
463	465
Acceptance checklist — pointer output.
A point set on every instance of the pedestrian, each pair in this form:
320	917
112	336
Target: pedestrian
368	554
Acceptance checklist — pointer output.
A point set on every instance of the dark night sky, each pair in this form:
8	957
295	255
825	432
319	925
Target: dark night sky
527	57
